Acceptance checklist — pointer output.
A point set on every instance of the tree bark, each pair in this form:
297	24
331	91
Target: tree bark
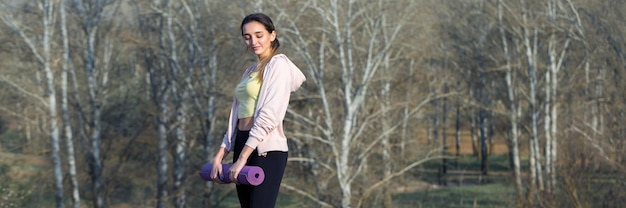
536	181
555	60
514	134
92	11
44	60
444	115
48	18
179	95
513	119
67	122
386	143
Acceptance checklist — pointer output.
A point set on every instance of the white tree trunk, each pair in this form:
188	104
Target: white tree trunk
533	143
407	99
48	23
511	91
44	59
179	96
97	78
444	139
69	136
386	152
547	125
162	90
162	150
555	61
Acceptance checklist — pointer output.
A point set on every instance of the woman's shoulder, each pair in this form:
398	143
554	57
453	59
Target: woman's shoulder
279	57
279	60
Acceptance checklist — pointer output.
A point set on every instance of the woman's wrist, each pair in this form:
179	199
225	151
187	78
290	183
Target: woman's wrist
219	156
217	159
245	153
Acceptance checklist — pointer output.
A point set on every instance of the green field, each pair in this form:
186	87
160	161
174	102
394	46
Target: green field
34	191
491	195
463	186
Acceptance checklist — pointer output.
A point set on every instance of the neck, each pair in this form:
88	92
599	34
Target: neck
266	55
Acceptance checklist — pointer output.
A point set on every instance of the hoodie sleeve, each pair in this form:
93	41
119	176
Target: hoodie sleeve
281	77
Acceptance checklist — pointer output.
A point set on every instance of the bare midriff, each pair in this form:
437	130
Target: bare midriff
245	124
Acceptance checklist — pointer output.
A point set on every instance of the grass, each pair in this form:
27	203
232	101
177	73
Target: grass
491	195
497	163
466	170
465	186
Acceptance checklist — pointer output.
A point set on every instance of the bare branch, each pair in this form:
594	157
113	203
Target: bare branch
400	172
26	92
15	27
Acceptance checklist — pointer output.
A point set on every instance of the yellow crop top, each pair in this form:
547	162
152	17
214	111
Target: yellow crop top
247	93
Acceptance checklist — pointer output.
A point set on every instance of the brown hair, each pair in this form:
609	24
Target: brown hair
266	21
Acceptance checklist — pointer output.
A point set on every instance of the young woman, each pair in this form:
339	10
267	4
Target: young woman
255	132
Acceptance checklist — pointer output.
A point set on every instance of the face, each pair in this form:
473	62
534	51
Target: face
258	39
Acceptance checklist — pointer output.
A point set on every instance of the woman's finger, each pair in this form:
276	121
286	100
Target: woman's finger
233	177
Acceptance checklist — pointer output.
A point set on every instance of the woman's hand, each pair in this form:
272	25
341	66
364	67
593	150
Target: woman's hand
216	170
234	170
216	173
238	165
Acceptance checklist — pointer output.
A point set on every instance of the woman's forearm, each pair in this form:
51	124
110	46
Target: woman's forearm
219	156
245	153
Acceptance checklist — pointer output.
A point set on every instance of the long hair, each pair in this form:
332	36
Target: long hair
266	21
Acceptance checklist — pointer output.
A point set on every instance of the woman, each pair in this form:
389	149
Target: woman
255	131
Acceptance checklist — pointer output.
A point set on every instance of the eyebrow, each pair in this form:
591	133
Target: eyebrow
257	32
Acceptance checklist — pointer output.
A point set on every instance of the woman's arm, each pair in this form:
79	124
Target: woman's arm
273	101
219	156
216	173
241	161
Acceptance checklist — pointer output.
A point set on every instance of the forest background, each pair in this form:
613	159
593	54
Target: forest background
113	103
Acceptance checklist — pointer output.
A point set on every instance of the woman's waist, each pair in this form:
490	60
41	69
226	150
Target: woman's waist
245	124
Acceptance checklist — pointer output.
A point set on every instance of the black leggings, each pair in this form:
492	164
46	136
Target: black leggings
273	164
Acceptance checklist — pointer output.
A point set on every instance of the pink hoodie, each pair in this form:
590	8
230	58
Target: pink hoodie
281	77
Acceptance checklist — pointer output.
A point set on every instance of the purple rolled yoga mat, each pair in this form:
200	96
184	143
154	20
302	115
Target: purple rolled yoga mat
249	175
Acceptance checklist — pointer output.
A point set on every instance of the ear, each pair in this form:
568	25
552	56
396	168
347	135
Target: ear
273	36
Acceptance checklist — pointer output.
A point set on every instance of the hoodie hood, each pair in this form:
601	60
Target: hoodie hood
297	77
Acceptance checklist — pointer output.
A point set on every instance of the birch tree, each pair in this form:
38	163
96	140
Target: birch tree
199	45
152	28
42	52
179	95
386	141
205	42
470	37
96	74
530	36
66	63
557	50
510	77
359	39
592	128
